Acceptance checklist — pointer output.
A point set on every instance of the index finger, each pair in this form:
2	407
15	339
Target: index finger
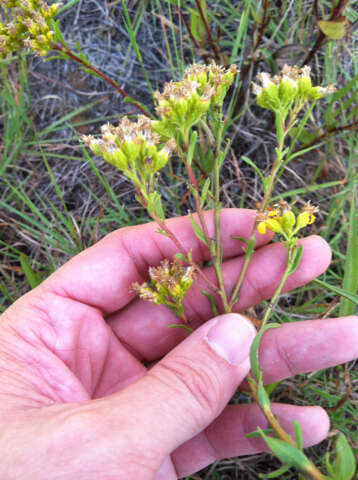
101	276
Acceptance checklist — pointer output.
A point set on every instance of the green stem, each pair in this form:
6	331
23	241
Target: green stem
281	134
248	252
275	296
216	252
296	137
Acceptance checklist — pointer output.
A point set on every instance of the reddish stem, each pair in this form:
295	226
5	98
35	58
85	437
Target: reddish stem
207	28
62	48
336	12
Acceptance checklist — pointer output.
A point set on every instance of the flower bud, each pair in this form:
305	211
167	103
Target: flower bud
287	90
303	220
274	225
288	221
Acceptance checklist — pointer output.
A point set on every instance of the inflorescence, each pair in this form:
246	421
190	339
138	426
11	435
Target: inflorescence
293	84
281	219
169	282
27	25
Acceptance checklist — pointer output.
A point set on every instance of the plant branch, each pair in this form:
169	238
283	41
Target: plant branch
63	49
207	28
192	38
336	12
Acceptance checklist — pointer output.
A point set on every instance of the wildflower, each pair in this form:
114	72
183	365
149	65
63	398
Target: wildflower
291	84
283	221
133	147
182	104
28	26
306	217
169	283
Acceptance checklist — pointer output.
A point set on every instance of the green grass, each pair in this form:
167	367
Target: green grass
39	232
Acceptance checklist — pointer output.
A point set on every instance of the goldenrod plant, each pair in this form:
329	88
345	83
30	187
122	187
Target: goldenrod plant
189	127
189	109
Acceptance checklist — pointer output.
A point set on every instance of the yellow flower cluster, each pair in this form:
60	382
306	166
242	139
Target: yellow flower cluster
169	283
132	147
283	221
182	104
292	84
28	24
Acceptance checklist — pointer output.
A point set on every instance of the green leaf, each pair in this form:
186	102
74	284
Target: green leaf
333	29
181	257
254	361
67	6
276	473
288	454
155	206
256	434
350	279
204	192
296	259
33	278
339	291
266	183
211	301
262	397
192	145
255	167
344	464
197	230
180	325
270	387
298	434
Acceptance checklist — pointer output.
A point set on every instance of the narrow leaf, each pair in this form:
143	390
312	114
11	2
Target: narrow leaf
298	434
296	259
344	464
211	301
276	473
255	167
192	145
339	291
32	277
197	230
350	279
254	361
204	192
285	452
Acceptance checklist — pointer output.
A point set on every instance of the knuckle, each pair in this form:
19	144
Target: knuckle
287	357
196	382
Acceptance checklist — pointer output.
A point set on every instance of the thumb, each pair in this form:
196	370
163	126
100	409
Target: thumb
184	392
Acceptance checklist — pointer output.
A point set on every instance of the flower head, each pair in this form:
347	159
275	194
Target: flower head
291	84
169	283
28	25
283	221
183	103
133	147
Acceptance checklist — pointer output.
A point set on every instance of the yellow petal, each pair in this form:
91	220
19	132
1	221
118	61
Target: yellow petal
261	228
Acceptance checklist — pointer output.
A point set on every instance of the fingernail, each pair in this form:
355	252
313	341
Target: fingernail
231	337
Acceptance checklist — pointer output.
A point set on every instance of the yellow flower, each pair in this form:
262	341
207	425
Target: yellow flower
28	26
283	221
290	85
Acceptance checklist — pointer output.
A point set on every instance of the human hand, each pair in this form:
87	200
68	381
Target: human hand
76	401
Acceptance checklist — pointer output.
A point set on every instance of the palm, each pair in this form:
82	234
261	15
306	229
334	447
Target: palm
95	334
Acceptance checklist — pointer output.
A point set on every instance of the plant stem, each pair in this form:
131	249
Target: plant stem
312	470
63	49
281	133
207	28
275	297
248	252
216	247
